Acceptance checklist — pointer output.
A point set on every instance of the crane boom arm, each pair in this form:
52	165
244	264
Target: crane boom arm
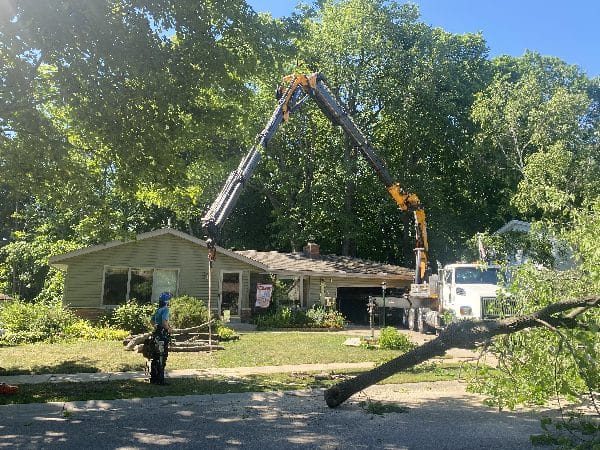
297	90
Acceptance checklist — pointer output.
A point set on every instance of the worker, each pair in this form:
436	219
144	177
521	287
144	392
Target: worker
161	337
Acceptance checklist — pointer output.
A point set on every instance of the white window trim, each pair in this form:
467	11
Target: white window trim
129	269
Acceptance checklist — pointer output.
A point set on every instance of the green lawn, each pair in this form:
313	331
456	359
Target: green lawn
253	349
108	390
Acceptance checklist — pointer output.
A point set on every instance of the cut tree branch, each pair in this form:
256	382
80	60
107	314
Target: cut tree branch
465	334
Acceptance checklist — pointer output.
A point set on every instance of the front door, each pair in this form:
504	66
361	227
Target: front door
231	286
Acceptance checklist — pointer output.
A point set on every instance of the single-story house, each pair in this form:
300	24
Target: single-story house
101	277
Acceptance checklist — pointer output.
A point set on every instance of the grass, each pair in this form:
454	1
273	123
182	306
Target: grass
110	390
253	349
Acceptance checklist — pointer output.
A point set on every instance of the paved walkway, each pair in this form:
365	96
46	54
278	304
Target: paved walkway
452	355
184	373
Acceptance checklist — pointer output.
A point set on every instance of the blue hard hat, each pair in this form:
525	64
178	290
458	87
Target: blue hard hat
164	298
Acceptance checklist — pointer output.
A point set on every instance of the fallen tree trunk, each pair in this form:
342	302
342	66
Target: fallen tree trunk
194	336
183	334
465	334
195	329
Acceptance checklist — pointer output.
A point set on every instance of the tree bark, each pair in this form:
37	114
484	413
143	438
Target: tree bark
136	340
463	334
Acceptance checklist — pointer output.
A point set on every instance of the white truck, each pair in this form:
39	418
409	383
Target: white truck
461	291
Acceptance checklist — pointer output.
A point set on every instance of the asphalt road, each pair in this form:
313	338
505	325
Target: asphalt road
438	416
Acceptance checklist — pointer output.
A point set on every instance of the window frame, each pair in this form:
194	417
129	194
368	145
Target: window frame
177	271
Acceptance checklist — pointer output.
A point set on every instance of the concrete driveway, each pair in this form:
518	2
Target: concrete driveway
439	416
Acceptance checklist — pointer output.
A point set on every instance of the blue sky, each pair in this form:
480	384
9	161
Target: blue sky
566	29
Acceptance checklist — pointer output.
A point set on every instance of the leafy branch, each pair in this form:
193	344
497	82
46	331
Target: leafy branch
467	335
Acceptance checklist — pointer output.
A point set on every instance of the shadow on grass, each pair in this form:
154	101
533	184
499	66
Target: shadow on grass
137	367
70	366
138	388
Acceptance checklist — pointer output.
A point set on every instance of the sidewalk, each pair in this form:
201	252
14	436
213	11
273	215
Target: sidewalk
452	354
183	373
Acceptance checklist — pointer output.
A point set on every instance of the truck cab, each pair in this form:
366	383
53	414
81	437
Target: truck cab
469	291
466	291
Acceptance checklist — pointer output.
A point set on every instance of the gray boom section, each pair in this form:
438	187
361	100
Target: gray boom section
225	202
334	111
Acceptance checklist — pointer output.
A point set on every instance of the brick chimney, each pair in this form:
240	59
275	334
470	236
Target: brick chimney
311	250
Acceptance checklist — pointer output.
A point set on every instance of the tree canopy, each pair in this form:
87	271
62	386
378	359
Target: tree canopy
118	116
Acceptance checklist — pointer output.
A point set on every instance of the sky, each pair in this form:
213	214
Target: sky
566	29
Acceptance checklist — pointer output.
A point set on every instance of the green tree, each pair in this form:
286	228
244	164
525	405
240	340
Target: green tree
389	83
540	116
118	114
537	112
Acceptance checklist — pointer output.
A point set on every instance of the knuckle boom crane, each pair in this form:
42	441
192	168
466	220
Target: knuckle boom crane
297	89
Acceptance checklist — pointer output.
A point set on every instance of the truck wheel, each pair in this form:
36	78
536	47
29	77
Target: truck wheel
411	319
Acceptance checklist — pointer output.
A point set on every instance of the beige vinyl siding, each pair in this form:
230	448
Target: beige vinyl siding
366	282
313	289
83	284
312	286
173	250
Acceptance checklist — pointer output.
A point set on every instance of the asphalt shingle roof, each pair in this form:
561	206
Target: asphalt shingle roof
331	264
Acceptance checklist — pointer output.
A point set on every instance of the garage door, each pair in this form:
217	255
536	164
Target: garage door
352	302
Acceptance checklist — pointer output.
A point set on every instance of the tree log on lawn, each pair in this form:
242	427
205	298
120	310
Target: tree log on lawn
136	340
465	334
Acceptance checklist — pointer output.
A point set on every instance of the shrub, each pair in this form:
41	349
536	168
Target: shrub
391	339
326	317
186	311
82	329
132	316
317	317
226	334
28	322
34	321
22	337
283	318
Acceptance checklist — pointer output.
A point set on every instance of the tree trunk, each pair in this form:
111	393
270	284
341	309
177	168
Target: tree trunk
464	334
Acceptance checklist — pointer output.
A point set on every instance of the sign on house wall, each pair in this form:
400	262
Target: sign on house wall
263	295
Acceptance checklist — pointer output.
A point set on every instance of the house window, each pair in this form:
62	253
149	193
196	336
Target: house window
142	284
115	285
230	292
164	280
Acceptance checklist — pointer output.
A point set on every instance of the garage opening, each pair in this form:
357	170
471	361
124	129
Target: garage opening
352	302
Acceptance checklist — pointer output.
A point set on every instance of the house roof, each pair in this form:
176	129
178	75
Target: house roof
514	225
63	260
271	262
327	265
